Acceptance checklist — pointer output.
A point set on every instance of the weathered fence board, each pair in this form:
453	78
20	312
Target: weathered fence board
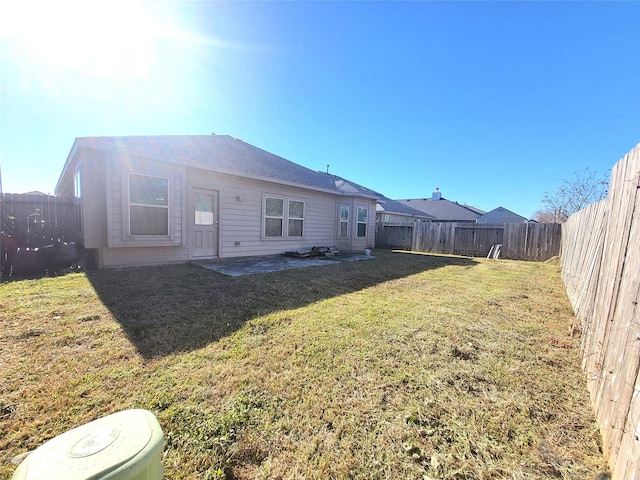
37	220
601	269
399	237
520	241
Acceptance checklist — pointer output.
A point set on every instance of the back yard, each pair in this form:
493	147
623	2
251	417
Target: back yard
403	366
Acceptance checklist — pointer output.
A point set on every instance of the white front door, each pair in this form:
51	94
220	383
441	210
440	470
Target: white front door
205	223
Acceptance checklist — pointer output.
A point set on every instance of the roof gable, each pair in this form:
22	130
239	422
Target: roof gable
501	215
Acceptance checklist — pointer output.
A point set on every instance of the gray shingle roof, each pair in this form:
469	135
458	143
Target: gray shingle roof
228	154
392	206
444	210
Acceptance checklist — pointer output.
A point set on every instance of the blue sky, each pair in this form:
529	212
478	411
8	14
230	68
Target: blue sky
495	103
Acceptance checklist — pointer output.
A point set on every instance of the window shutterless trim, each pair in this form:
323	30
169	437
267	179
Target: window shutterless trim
164	207
286	220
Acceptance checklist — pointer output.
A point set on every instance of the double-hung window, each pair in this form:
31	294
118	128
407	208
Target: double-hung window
273	217
363	214
296	218
344	221
283	217
148	205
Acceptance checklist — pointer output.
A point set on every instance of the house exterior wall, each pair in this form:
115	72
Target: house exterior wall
241	214
353	242
91	165
240	232
395	219
368	241
118	171
94	209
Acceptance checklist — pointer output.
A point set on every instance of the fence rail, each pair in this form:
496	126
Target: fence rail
601	271
520	241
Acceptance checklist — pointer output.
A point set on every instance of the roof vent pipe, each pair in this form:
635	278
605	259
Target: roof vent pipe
436	195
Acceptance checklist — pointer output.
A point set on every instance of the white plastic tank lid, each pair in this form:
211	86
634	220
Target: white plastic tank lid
94	449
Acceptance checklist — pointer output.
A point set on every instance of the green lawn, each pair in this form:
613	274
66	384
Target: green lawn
403	366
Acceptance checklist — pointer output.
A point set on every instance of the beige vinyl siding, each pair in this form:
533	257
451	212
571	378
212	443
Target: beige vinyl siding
93	186
114	203
118	202
398	219
241	214
142	256
359	243
94	208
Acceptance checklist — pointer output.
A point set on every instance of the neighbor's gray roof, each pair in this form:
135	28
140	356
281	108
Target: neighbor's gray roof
444	210
227	154
501	215
394	207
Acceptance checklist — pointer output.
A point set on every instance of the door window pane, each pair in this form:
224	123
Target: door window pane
204	209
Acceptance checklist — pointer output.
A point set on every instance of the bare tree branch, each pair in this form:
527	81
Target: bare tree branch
573	195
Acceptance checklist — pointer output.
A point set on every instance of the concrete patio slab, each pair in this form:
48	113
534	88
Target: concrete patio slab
236	267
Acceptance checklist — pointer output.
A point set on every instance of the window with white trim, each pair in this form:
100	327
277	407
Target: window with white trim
148	205
363	214
344	221
273	216
279	212
296	218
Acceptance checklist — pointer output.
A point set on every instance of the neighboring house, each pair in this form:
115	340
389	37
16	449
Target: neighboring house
444	210
145	200
35	192
393	213
501	215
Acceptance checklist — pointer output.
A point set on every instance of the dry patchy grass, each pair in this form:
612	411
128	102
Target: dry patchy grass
404	366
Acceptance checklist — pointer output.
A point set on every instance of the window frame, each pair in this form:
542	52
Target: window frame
266	217
77	195
344	222
166	207
286	218
365	222
295	219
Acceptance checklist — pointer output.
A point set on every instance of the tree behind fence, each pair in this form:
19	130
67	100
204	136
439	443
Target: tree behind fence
520	241
33	221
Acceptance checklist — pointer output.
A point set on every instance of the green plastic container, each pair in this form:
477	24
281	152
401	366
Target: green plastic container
123	446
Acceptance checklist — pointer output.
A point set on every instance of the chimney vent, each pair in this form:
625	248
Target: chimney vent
436	195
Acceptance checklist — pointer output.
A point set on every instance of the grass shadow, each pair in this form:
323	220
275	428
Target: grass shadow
177	308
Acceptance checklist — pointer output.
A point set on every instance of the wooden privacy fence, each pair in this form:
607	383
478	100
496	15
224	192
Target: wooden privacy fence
520	241
33	221
601	271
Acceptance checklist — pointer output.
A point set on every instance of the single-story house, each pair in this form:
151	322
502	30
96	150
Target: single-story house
444	210
391	212
501	215
143	200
